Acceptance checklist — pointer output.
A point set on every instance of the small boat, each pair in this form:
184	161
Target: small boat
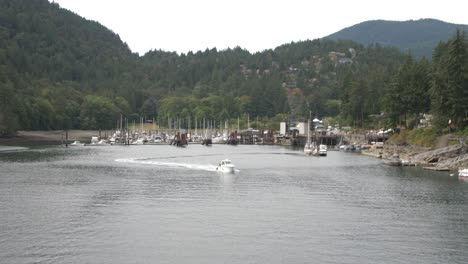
77	143
207	142
463	173
218	140
407	163
308	149
226	166
158	139
393	161
322	150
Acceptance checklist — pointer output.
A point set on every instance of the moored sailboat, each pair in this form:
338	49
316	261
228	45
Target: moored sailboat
308	147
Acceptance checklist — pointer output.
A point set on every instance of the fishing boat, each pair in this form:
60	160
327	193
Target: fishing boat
226	166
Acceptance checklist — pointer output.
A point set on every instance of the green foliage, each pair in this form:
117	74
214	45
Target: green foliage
424	137
408	93
450	79
399	138
7	104
98	112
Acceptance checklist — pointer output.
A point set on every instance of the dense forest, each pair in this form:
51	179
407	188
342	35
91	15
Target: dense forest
60	71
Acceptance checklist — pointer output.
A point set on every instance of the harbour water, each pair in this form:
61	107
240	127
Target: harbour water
163	204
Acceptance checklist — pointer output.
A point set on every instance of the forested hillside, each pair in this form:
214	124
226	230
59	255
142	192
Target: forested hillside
419	36
60	71
51	59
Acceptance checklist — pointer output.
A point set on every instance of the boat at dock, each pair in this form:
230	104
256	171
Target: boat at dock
207	142
407	163
77	143
393	161
322	150
309	148
463	173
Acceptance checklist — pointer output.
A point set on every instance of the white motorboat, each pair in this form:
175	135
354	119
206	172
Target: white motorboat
463	173
77	143
226	166
140	141
322	150
101	142
158	139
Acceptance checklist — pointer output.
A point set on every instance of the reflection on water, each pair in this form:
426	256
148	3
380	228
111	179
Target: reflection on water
147	204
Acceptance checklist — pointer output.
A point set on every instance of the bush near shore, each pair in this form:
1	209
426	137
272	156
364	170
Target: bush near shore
423	137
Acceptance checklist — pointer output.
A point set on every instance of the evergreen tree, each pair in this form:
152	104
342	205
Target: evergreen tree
449	92
457	70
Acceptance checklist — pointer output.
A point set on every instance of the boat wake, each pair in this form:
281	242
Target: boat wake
147	161
12	149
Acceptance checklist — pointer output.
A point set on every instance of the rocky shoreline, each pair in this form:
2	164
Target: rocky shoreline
450	158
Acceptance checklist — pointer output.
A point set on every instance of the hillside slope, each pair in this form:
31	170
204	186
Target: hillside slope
419	36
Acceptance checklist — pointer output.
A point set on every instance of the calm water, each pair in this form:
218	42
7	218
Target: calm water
162	204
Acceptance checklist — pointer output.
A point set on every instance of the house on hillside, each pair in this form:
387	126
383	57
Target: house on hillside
425	120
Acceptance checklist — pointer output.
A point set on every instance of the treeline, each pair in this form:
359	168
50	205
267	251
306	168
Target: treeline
439	87
60	71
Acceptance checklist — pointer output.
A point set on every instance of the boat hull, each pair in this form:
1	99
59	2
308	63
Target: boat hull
226	169
463	173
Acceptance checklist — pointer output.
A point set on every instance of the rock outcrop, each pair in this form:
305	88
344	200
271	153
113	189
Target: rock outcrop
448	157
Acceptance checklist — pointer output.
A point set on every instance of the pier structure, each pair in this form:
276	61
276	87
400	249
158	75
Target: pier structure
317	137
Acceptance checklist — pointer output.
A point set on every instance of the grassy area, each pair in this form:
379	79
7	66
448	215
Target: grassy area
424	137
460	136
399	138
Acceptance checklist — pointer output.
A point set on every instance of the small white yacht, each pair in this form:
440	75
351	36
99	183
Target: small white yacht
463	173
77	143
226	166
322	150
158	139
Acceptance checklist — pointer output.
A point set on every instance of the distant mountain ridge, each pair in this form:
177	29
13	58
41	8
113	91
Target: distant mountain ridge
420	36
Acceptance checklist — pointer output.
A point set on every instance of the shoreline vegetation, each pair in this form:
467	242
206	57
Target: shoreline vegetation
443	157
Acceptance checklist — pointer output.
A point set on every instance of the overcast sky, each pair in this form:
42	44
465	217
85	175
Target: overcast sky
192	25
